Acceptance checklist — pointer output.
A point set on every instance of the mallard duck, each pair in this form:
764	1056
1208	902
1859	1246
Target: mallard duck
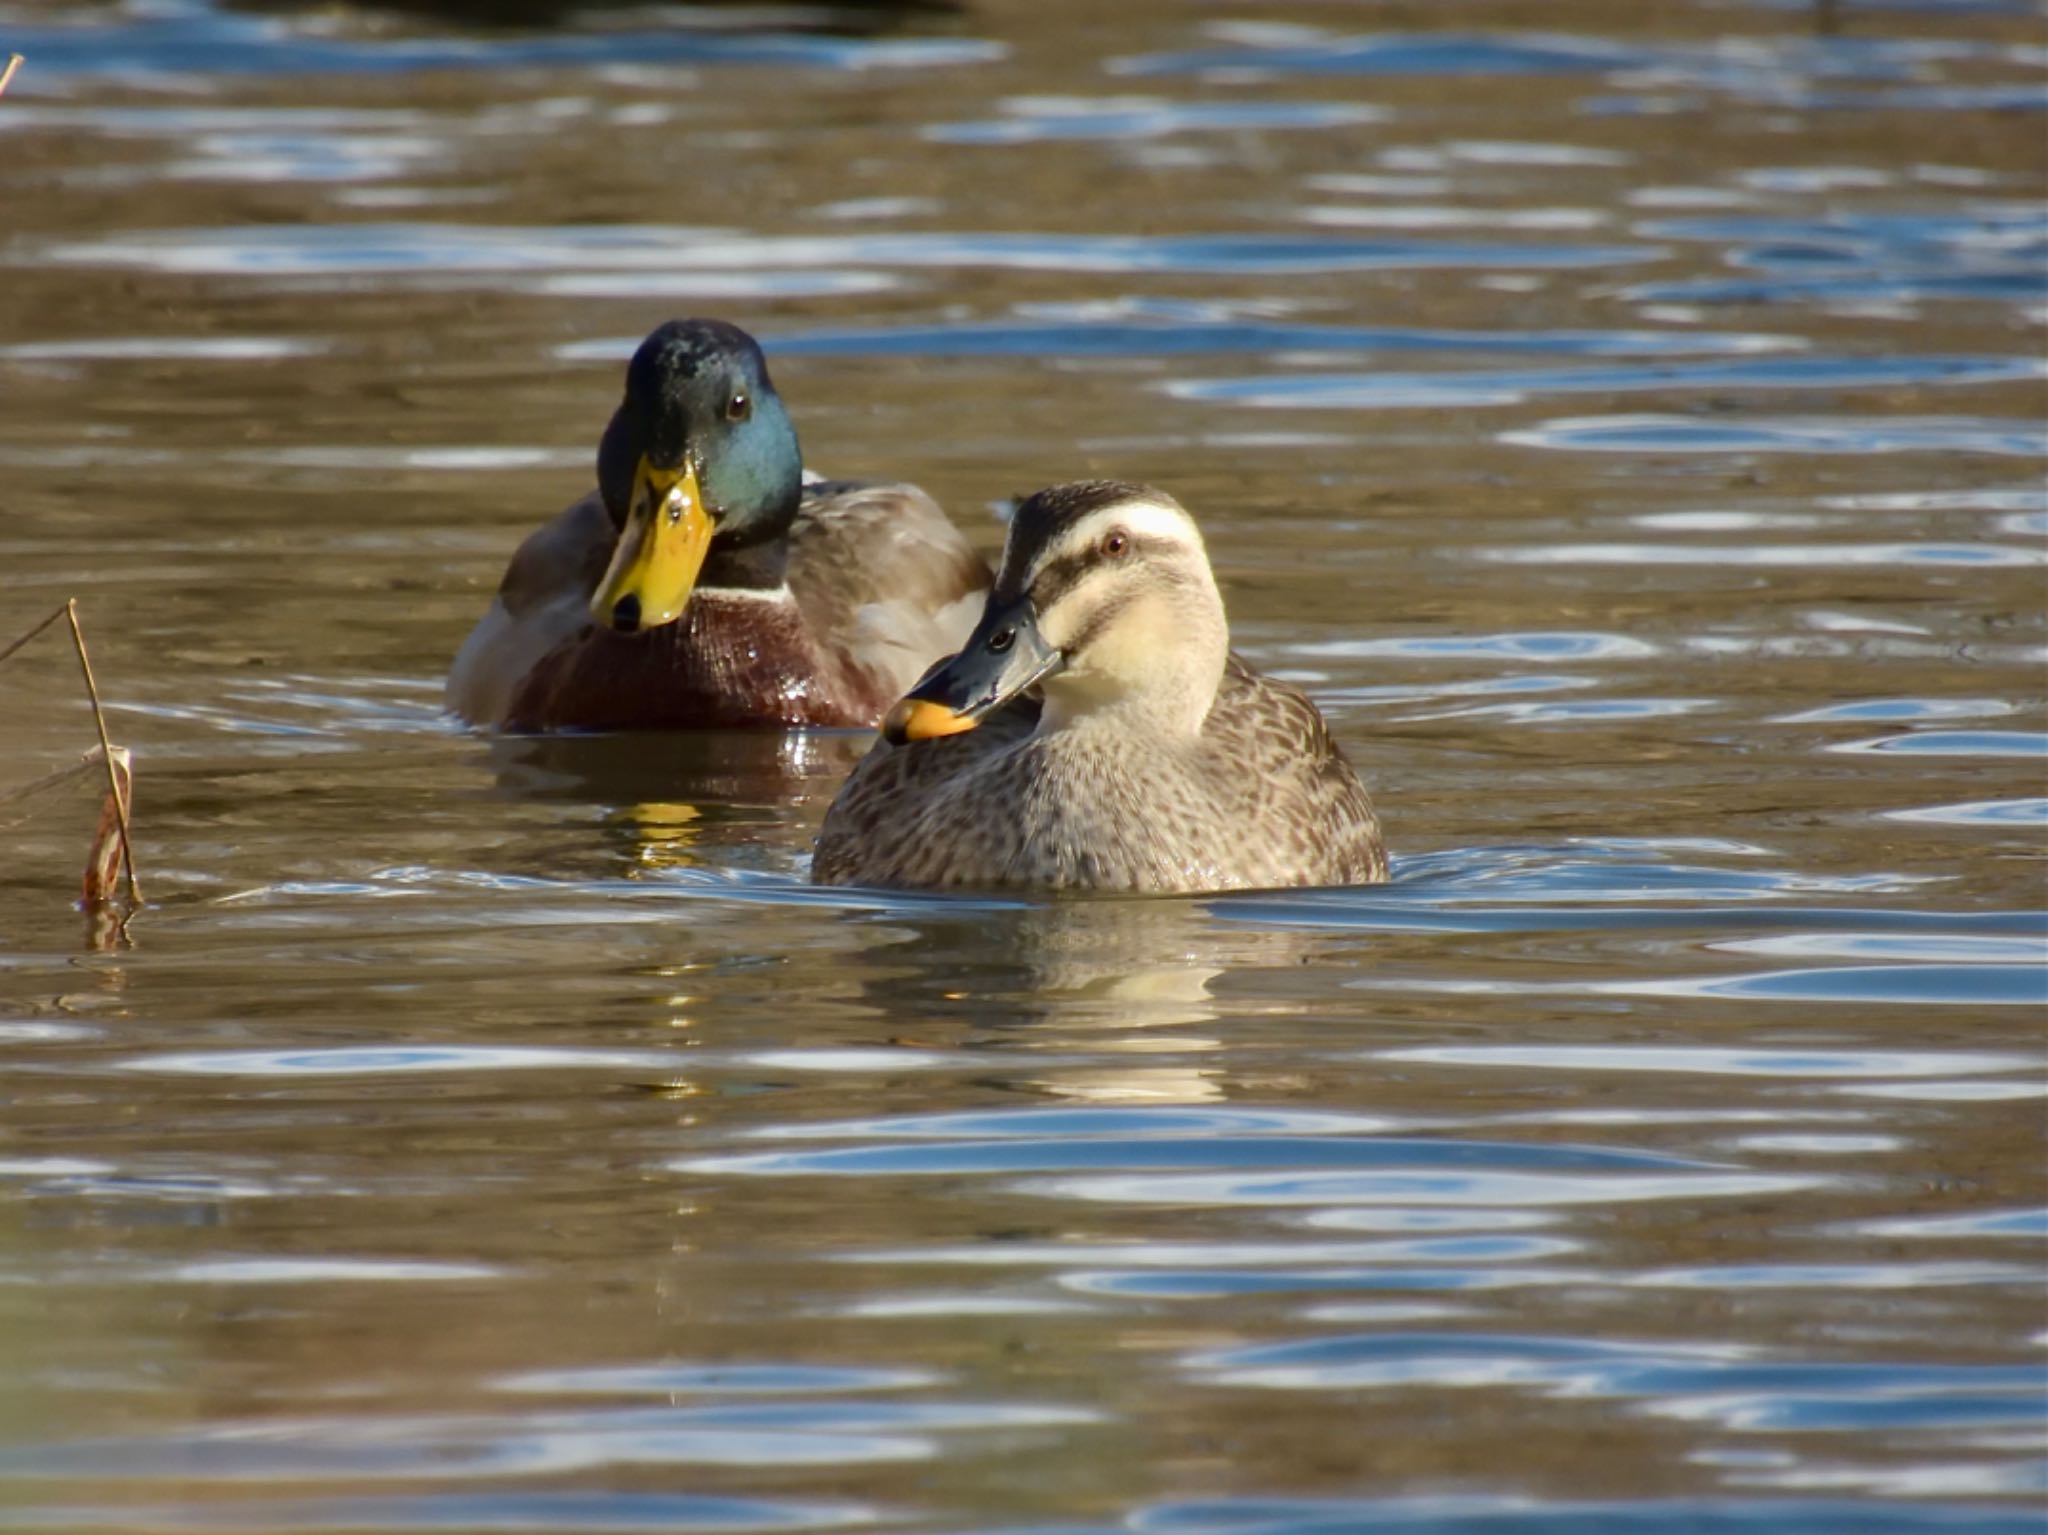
704	583
1097	733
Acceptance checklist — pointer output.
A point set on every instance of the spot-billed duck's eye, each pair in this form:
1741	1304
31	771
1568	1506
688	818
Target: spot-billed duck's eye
1002	640
1116	543
739	407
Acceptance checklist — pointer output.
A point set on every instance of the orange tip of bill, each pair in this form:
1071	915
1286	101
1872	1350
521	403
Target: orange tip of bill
919	719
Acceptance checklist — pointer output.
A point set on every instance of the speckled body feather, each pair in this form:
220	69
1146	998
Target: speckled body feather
1261	798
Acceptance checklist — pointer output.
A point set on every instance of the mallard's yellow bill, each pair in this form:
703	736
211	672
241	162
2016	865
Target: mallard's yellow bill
919	719
661	550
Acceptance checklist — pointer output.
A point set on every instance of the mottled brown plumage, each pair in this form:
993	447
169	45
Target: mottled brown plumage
1162	762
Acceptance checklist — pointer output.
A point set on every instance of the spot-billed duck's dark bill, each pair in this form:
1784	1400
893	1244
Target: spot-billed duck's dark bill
1005	655
661	550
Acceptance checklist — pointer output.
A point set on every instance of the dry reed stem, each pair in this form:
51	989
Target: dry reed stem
7	79
99	720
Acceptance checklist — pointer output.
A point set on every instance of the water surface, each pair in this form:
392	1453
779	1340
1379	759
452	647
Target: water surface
1631	430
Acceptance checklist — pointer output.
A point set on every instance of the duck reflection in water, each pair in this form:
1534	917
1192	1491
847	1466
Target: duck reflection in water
1097	733
680	797
1095	999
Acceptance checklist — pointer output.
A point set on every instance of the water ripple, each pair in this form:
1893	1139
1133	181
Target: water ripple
1391	391
784	1433
1138	328
1473	1514
1834	1276
1486	1188
1967	985
1551	647
396	1060
1571	711
711	1380
1128	1256
548	257
1949	1092
1924	944
2030	501
2022	814
1394	53
1121	119
1865	710
393	1448
1488	1272
166	349
1890	287
1954	743
1472	890
1844	434
269	1271
1696	1059
178	40
1727	1386
1062	1152
1971	1226
1982	251
1097	1123
494	1513
1842	555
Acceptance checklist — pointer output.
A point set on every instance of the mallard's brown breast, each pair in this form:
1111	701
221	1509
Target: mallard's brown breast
732	660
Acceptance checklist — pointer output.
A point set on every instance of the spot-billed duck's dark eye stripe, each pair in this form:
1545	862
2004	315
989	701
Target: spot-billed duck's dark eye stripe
1058	578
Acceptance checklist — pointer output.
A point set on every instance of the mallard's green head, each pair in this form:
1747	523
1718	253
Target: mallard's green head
699	456
1105	605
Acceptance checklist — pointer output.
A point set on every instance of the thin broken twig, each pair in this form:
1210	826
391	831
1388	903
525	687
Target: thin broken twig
82	768
38	629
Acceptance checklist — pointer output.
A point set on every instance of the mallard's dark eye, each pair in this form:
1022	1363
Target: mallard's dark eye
1002	640
738	408
1116	543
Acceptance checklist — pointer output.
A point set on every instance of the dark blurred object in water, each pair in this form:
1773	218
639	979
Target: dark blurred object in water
840	17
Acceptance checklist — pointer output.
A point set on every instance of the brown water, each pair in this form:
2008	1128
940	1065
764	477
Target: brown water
1631	432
